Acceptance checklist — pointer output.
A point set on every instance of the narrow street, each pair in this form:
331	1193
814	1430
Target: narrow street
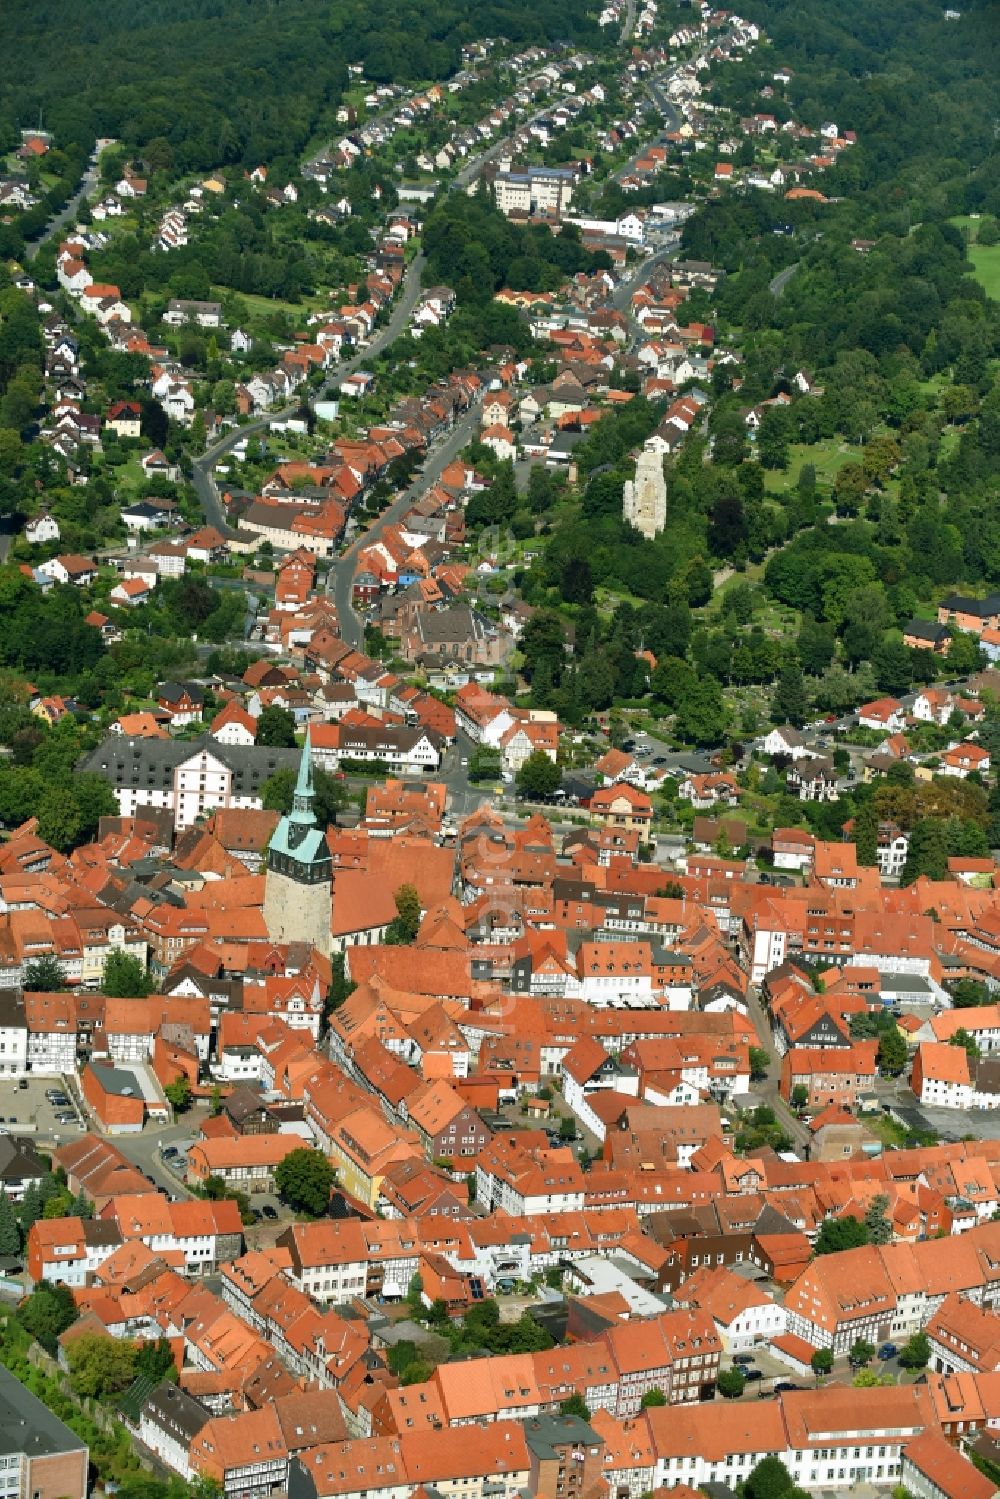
87	184
341	573
201	474
777	286
767	1087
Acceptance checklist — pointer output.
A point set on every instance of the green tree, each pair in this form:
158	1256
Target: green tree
404	927
44	976
414	1293
968	995
100	1366
47	1312
822	1362
731	1383
10	1234
485	764
789	703
652	1398
276	728
770	1479
799	1096
878	1227
341	987
31	1206
178	1094
125	977
701	715
915	1352
927	853
773	437
892	1053
575	1405
304	1180
967	1042
538	776
81	1206
862	1352
59	820
836	1234
567	1129
760	1060
155	1359
866	834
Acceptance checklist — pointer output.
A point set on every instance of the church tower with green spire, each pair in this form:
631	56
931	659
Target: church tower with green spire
298	889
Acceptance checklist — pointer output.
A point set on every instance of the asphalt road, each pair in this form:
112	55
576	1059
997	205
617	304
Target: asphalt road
628	28
768	1086
666	106
88	183
475	164
341	574
201	475
144	1151
777	285
622	293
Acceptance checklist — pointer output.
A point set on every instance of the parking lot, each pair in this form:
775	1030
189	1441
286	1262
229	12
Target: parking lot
27	1110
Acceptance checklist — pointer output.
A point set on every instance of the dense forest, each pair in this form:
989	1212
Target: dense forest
471	246
213	82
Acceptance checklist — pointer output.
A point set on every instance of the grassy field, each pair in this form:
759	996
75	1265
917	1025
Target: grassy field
827	458
265	307
985	258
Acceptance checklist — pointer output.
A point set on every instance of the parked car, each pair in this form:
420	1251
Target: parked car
752	1376
743	1358
887	1351
784	1385
22	1083
269	1212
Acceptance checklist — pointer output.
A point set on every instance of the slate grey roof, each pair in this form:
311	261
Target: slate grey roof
151	763
28	1426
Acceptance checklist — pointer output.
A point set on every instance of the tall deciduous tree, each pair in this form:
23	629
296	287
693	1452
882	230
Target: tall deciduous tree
789	703
10	1234
304	1179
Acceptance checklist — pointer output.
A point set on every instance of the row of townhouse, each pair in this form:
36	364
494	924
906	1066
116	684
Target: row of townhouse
889	1292
69	1250
80	938
824	1438
676	1353
333	1261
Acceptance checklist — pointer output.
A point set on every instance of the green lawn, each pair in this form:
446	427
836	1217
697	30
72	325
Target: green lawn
265	307
986	260
130	475
827	457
